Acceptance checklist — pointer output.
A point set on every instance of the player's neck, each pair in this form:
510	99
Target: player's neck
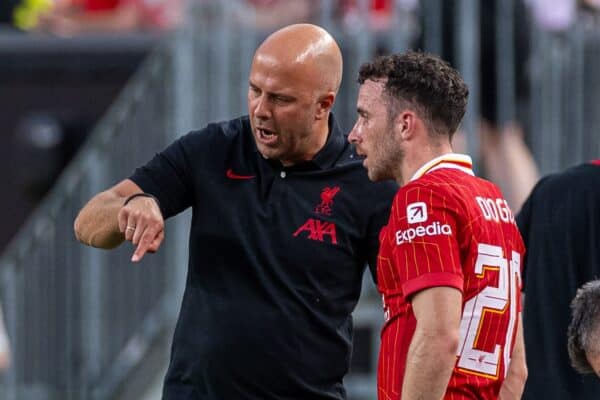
419	156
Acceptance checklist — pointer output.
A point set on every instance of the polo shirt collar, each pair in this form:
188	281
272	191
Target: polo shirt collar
336	142
450	160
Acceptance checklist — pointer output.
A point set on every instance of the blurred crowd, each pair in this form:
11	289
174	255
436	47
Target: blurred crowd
72	17
69	17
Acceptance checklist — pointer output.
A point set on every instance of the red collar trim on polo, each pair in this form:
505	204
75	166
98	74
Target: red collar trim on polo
461	162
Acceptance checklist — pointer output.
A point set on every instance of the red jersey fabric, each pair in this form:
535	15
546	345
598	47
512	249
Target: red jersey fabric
450	228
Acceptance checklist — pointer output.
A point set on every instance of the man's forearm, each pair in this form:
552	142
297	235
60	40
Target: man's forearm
514	384
430	360
106	221
97	223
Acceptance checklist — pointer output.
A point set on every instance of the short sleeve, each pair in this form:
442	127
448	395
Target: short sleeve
170	174
425	245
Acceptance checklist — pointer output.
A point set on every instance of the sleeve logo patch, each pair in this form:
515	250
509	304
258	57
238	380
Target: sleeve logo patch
416	212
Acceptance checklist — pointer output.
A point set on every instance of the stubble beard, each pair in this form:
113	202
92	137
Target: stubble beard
387	166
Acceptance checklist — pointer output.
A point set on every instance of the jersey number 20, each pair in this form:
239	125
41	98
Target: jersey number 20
500	299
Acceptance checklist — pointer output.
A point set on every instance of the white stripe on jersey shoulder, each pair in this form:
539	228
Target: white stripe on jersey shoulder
448	160
455	166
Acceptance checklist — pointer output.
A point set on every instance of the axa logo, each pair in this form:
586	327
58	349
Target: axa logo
318	230
433	229
327	195
416	212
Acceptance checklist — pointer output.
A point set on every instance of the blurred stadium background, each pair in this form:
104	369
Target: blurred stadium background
81	110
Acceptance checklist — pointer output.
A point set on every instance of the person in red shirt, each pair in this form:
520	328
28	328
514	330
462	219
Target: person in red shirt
449	264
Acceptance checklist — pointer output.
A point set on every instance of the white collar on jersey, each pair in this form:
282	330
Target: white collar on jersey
461	162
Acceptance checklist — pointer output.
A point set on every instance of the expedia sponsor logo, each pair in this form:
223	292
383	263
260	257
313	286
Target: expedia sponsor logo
433	229
416	212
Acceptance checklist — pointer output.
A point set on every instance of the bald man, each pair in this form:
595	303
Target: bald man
284	222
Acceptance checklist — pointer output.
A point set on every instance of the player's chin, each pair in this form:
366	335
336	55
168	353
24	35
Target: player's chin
373	174
377	174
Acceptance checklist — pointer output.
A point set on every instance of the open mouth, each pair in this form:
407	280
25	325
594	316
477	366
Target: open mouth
266	136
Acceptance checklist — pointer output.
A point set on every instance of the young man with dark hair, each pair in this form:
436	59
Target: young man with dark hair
449	262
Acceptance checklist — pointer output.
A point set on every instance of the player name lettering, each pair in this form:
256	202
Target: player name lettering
433	229
495	209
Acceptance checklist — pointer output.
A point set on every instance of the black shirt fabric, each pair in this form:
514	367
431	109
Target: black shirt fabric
560	224
276	258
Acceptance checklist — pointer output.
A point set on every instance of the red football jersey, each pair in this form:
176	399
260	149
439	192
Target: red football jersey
450	228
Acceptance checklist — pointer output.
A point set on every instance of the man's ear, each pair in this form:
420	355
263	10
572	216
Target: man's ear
405	123
324	104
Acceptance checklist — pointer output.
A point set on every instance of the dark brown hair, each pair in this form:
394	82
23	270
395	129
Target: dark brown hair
424	82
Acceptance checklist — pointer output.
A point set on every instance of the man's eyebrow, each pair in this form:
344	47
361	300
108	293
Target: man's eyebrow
273	94
282	95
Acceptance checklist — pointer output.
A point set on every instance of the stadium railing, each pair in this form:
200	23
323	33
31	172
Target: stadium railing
78	318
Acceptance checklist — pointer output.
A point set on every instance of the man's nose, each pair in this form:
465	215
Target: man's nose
354	137
261	109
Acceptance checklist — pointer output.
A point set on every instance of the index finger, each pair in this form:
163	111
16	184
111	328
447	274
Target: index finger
144	244
139	252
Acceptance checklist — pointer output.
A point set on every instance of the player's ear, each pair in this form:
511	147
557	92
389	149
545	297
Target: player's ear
405	123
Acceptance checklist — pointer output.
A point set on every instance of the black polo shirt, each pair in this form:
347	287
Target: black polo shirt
560	224
275	263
